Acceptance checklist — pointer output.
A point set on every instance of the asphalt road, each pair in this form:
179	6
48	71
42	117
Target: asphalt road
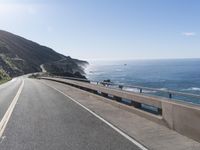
7	93
44	119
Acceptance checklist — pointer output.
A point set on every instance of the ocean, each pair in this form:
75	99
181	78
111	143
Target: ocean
181	75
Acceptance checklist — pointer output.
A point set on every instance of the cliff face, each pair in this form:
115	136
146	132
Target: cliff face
21	56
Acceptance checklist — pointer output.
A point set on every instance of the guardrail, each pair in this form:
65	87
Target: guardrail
103	89
179	116
169	93
176	95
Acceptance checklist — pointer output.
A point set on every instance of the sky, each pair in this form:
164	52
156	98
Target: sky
108	29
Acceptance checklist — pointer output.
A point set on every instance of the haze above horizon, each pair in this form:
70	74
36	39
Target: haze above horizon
102	29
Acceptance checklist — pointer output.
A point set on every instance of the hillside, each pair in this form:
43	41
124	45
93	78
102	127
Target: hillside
3	76
20	56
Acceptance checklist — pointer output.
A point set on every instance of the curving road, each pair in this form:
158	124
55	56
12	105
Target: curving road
44	119
43	69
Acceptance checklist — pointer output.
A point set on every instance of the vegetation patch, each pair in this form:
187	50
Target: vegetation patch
4	77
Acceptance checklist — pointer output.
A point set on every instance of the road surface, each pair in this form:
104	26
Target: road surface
45	119
43	69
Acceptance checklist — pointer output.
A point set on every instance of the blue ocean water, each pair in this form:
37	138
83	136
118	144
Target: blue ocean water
174	74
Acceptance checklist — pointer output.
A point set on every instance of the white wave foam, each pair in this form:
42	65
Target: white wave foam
148	91
137	90
130	89
192	89
163	89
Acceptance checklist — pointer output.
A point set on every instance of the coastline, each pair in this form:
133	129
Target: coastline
180	75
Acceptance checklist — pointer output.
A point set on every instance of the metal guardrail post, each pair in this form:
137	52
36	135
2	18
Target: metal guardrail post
170	95
120	86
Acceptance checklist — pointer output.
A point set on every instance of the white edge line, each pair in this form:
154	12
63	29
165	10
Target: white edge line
10	109
99	117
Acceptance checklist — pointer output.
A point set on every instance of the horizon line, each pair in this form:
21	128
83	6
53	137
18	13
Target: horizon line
131	59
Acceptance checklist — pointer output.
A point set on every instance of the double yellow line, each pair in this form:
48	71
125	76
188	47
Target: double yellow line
8	113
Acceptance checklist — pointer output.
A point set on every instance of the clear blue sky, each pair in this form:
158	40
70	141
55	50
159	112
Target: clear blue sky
108	29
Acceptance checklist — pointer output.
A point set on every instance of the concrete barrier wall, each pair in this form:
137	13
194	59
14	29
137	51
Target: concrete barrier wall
115	92
181	117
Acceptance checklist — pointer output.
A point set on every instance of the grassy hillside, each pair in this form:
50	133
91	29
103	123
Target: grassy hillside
3	76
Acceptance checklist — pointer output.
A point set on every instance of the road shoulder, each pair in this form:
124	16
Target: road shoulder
150	134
